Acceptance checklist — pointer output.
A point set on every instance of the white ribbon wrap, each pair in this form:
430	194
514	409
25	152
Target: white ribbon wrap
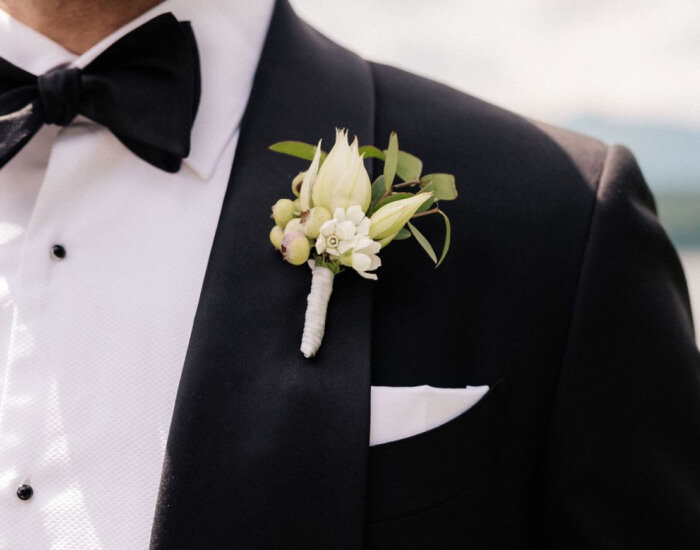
317	306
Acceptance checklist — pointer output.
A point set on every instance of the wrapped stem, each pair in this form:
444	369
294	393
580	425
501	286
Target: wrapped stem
317	306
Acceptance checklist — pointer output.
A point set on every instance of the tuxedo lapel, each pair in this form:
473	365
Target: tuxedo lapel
267	447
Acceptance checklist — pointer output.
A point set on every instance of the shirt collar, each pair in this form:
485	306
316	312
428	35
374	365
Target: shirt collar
229	36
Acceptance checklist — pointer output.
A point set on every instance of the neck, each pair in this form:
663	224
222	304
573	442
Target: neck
76	24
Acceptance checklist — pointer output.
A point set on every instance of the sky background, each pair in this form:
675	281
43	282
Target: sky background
623	70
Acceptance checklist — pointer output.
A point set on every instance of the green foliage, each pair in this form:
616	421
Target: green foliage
323	261
371	152
423	242
402	235
297	149
444	186
448	238
429	203
409	167
378	189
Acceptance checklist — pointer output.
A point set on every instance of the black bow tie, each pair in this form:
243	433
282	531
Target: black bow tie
144	88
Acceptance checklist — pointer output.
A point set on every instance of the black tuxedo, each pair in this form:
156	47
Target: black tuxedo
561	292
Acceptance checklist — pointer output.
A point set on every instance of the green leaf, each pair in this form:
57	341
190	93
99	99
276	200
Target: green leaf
391	198
403	234
297	149
378	189
429	203
448	237
372	152
408	167
444	186
391	161
422	241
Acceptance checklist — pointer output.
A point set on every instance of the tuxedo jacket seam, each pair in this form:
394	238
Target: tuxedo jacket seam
575	303
577	289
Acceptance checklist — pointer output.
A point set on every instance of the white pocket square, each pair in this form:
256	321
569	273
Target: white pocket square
400	412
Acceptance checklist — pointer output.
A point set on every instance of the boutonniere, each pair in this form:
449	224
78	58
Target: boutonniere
340	220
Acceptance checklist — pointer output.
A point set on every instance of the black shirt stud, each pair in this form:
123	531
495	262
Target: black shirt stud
25	492
58	252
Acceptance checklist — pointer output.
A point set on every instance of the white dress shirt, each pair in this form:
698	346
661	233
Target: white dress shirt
92	345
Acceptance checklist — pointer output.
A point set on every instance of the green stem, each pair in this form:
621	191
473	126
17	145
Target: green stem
406	184
426	213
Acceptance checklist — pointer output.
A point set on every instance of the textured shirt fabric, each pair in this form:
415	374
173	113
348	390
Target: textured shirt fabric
92	345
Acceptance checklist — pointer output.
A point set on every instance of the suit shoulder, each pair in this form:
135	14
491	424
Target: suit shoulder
432	115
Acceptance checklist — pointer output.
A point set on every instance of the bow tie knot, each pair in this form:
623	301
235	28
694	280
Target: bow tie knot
144	88
59	91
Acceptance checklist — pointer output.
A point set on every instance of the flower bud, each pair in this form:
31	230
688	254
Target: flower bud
295	248
342	181
296	183
309	180
312	221
390	219
276	236
283	212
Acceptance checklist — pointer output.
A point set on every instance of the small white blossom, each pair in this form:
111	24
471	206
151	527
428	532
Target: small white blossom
346	238
363	257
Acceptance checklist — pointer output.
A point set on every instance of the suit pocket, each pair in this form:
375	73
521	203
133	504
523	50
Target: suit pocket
419	472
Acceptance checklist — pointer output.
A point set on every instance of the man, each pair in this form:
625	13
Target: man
561	294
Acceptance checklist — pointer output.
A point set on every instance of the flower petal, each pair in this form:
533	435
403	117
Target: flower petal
309	180
346	245
375	262
345	230
360	262
355	215
366	275
363	227
367	246
320	244
339	214
328	228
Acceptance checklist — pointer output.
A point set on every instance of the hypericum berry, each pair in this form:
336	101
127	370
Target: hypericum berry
276	236
295	248
283	211
312	220
293	225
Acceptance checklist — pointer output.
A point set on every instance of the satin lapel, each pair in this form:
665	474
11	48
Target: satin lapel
267	449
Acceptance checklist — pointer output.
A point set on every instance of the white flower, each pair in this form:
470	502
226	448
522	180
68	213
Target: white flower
363	257
342	181
346	238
